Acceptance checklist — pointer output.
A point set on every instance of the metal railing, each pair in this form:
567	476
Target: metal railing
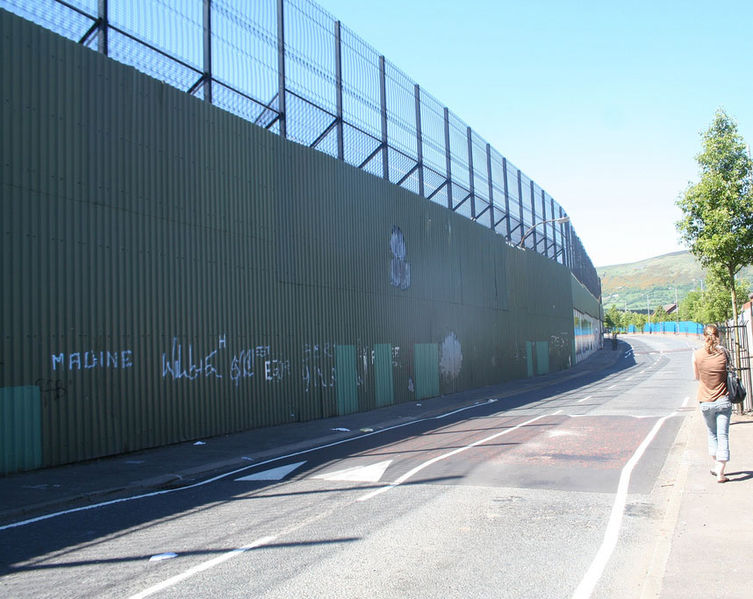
735	338
290	67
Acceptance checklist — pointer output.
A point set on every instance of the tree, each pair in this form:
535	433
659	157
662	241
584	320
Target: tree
612	318
712	304
690	307
717	223
660	315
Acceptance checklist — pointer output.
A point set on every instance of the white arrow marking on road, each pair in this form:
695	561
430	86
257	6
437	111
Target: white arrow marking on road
273	474
361	474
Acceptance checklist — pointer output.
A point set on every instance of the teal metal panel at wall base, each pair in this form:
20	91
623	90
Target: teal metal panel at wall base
20	429
426	359
384	386
529	359
347	389
542	357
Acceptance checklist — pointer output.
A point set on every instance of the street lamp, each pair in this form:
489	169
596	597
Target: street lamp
562	219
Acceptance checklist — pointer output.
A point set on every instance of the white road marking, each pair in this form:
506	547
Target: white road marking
201	568
361	474
226	474
587	585
612	387
163	556
486	403
274	474
400	480
585	398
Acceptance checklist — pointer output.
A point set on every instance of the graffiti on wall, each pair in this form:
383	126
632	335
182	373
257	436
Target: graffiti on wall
587	331
451	357
91	359
187	361
399	266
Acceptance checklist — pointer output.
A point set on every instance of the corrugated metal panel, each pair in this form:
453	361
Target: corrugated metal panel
426	356
345	377
383	382
171	272
20	429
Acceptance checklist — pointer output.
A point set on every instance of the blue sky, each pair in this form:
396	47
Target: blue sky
600	102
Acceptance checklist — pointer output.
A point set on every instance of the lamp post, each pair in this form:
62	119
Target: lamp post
562	219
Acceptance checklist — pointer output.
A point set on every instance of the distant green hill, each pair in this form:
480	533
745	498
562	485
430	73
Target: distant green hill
629	284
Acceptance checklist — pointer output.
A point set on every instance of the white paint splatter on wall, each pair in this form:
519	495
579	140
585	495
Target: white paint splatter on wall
399	267
451	360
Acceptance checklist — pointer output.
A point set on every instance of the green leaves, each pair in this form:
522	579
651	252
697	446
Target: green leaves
717	222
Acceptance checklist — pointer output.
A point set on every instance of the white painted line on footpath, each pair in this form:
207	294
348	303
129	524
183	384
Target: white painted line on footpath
201	568
400	480
612	387
587	585
585	399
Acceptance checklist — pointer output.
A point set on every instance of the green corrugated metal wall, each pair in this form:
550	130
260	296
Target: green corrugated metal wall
170	271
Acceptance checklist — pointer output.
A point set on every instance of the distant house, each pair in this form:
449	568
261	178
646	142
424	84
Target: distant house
670	308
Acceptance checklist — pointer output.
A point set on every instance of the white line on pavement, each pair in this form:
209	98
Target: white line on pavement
444	456
587	585
228	474
200	568
585	398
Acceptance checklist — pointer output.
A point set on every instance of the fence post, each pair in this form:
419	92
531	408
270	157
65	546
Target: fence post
281	69
102	34
383	106
507	198
419	141
543	216
448	159
520	204
471	184
491	187
339	92
535	233
208	51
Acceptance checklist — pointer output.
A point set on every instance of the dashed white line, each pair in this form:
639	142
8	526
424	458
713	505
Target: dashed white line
585	398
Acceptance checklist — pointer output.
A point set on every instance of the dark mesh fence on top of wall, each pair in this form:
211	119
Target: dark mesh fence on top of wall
290	67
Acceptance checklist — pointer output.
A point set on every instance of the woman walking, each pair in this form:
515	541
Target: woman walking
710	370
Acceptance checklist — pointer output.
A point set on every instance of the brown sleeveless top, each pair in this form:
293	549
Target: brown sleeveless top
712	374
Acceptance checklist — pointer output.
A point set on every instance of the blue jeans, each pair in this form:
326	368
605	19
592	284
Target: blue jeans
717	414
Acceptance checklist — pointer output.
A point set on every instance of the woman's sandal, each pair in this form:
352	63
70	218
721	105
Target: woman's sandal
722	479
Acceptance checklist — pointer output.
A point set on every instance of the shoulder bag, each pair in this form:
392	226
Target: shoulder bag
735	388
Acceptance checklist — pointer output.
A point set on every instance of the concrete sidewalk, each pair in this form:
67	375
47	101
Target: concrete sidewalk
708	526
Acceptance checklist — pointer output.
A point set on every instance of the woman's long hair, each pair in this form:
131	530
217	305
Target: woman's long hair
711	338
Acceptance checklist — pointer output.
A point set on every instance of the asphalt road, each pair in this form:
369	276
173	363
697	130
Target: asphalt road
555	492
